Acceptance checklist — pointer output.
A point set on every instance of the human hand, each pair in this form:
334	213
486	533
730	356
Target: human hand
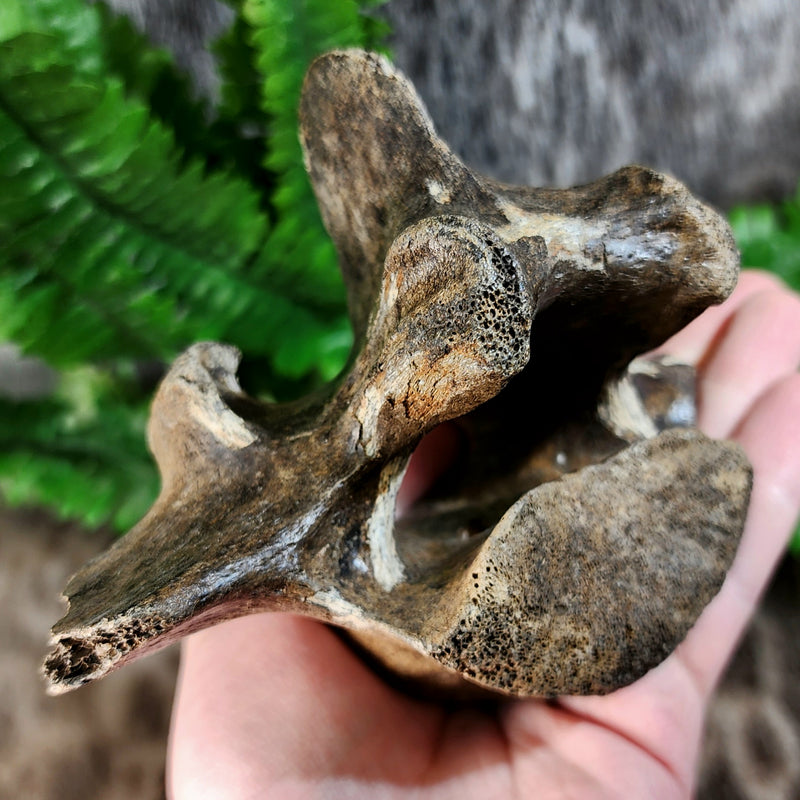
274	705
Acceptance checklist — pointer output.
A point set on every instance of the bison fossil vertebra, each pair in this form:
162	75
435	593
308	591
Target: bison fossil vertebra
568	550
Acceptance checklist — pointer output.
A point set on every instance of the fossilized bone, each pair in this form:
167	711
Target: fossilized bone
568	551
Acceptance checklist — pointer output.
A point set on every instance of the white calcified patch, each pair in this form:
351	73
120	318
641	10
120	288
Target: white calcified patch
353	618
200	374
587	244
386	564
438	192
682	413
648	366
624	413
367	414
263	558
223	425
566	238
624	410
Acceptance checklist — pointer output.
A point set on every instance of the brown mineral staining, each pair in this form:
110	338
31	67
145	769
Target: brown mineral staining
586	524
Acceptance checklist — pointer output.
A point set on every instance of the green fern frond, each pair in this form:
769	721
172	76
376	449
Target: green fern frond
150	75
81	453
73	22
83	484
287	36
83	279
130	227
109	238
122	158
240	121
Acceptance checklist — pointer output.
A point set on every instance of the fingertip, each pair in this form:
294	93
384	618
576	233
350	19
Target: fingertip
692	342
770	433
759	343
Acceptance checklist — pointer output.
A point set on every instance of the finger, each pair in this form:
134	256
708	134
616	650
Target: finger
760	345
691	343
770	433
663	711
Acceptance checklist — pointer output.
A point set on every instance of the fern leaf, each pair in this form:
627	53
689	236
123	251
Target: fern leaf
79	281
241	122
132	254
94	468
121	237
150	75
73	22
286	36
122	157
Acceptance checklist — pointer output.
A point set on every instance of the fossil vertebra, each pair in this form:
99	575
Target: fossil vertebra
585	524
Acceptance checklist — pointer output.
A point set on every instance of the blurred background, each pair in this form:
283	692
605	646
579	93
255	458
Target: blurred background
153	195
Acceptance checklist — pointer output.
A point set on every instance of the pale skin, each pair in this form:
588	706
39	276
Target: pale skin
277	706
